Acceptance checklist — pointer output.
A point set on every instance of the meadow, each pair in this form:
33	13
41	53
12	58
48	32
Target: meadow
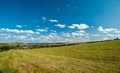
95	57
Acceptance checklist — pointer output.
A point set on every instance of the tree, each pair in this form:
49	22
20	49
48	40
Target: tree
18	45
4	48
116	39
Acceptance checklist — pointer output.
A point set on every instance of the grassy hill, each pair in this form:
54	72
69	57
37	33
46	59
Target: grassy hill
97	57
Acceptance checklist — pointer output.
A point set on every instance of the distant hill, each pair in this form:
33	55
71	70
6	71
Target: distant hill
14	43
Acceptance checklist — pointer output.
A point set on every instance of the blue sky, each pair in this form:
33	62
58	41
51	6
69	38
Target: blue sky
44	21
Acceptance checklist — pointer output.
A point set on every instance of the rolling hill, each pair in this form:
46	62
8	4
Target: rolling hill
96	57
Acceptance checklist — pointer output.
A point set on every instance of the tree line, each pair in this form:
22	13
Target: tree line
30	46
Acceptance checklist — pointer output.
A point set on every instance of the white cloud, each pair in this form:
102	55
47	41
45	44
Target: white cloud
51	37
110	35
31	39
19	26
29	35
82	31
27	31
74	34
16	31
117	31
71	27
37	32
105	38
107	30
44	18
7	36
3	34
61	25
78	26
100	28
20	37
53	20
79	33
117	35
41	30
66	34
96	35
9	30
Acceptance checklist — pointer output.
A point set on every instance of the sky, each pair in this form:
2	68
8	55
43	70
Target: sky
49	21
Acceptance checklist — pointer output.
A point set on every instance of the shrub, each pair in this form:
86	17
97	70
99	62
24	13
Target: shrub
4	48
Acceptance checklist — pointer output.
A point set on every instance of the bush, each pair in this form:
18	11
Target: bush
4	48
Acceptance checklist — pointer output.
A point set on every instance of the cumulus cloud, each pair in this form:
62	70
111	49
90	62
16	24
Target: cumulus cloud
96	35
82	31
107	30
54	36
105	38
44	18
3	34
78	26
61	25
41	30
31	39
21	37
51	37
110	35
19	26
117	31
74	34
100	28
37	32
16	31
66	34
71	27
79	33
53	20
8	36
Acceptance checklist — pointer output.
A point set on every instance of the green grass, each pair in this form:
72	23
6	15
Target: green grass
99	57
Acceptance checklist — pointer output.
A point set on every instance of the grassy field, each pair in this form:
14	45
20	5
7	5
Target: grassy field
97	57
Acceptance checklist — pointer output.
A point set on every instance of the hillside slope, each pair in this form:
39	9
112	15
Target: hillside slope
98	57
